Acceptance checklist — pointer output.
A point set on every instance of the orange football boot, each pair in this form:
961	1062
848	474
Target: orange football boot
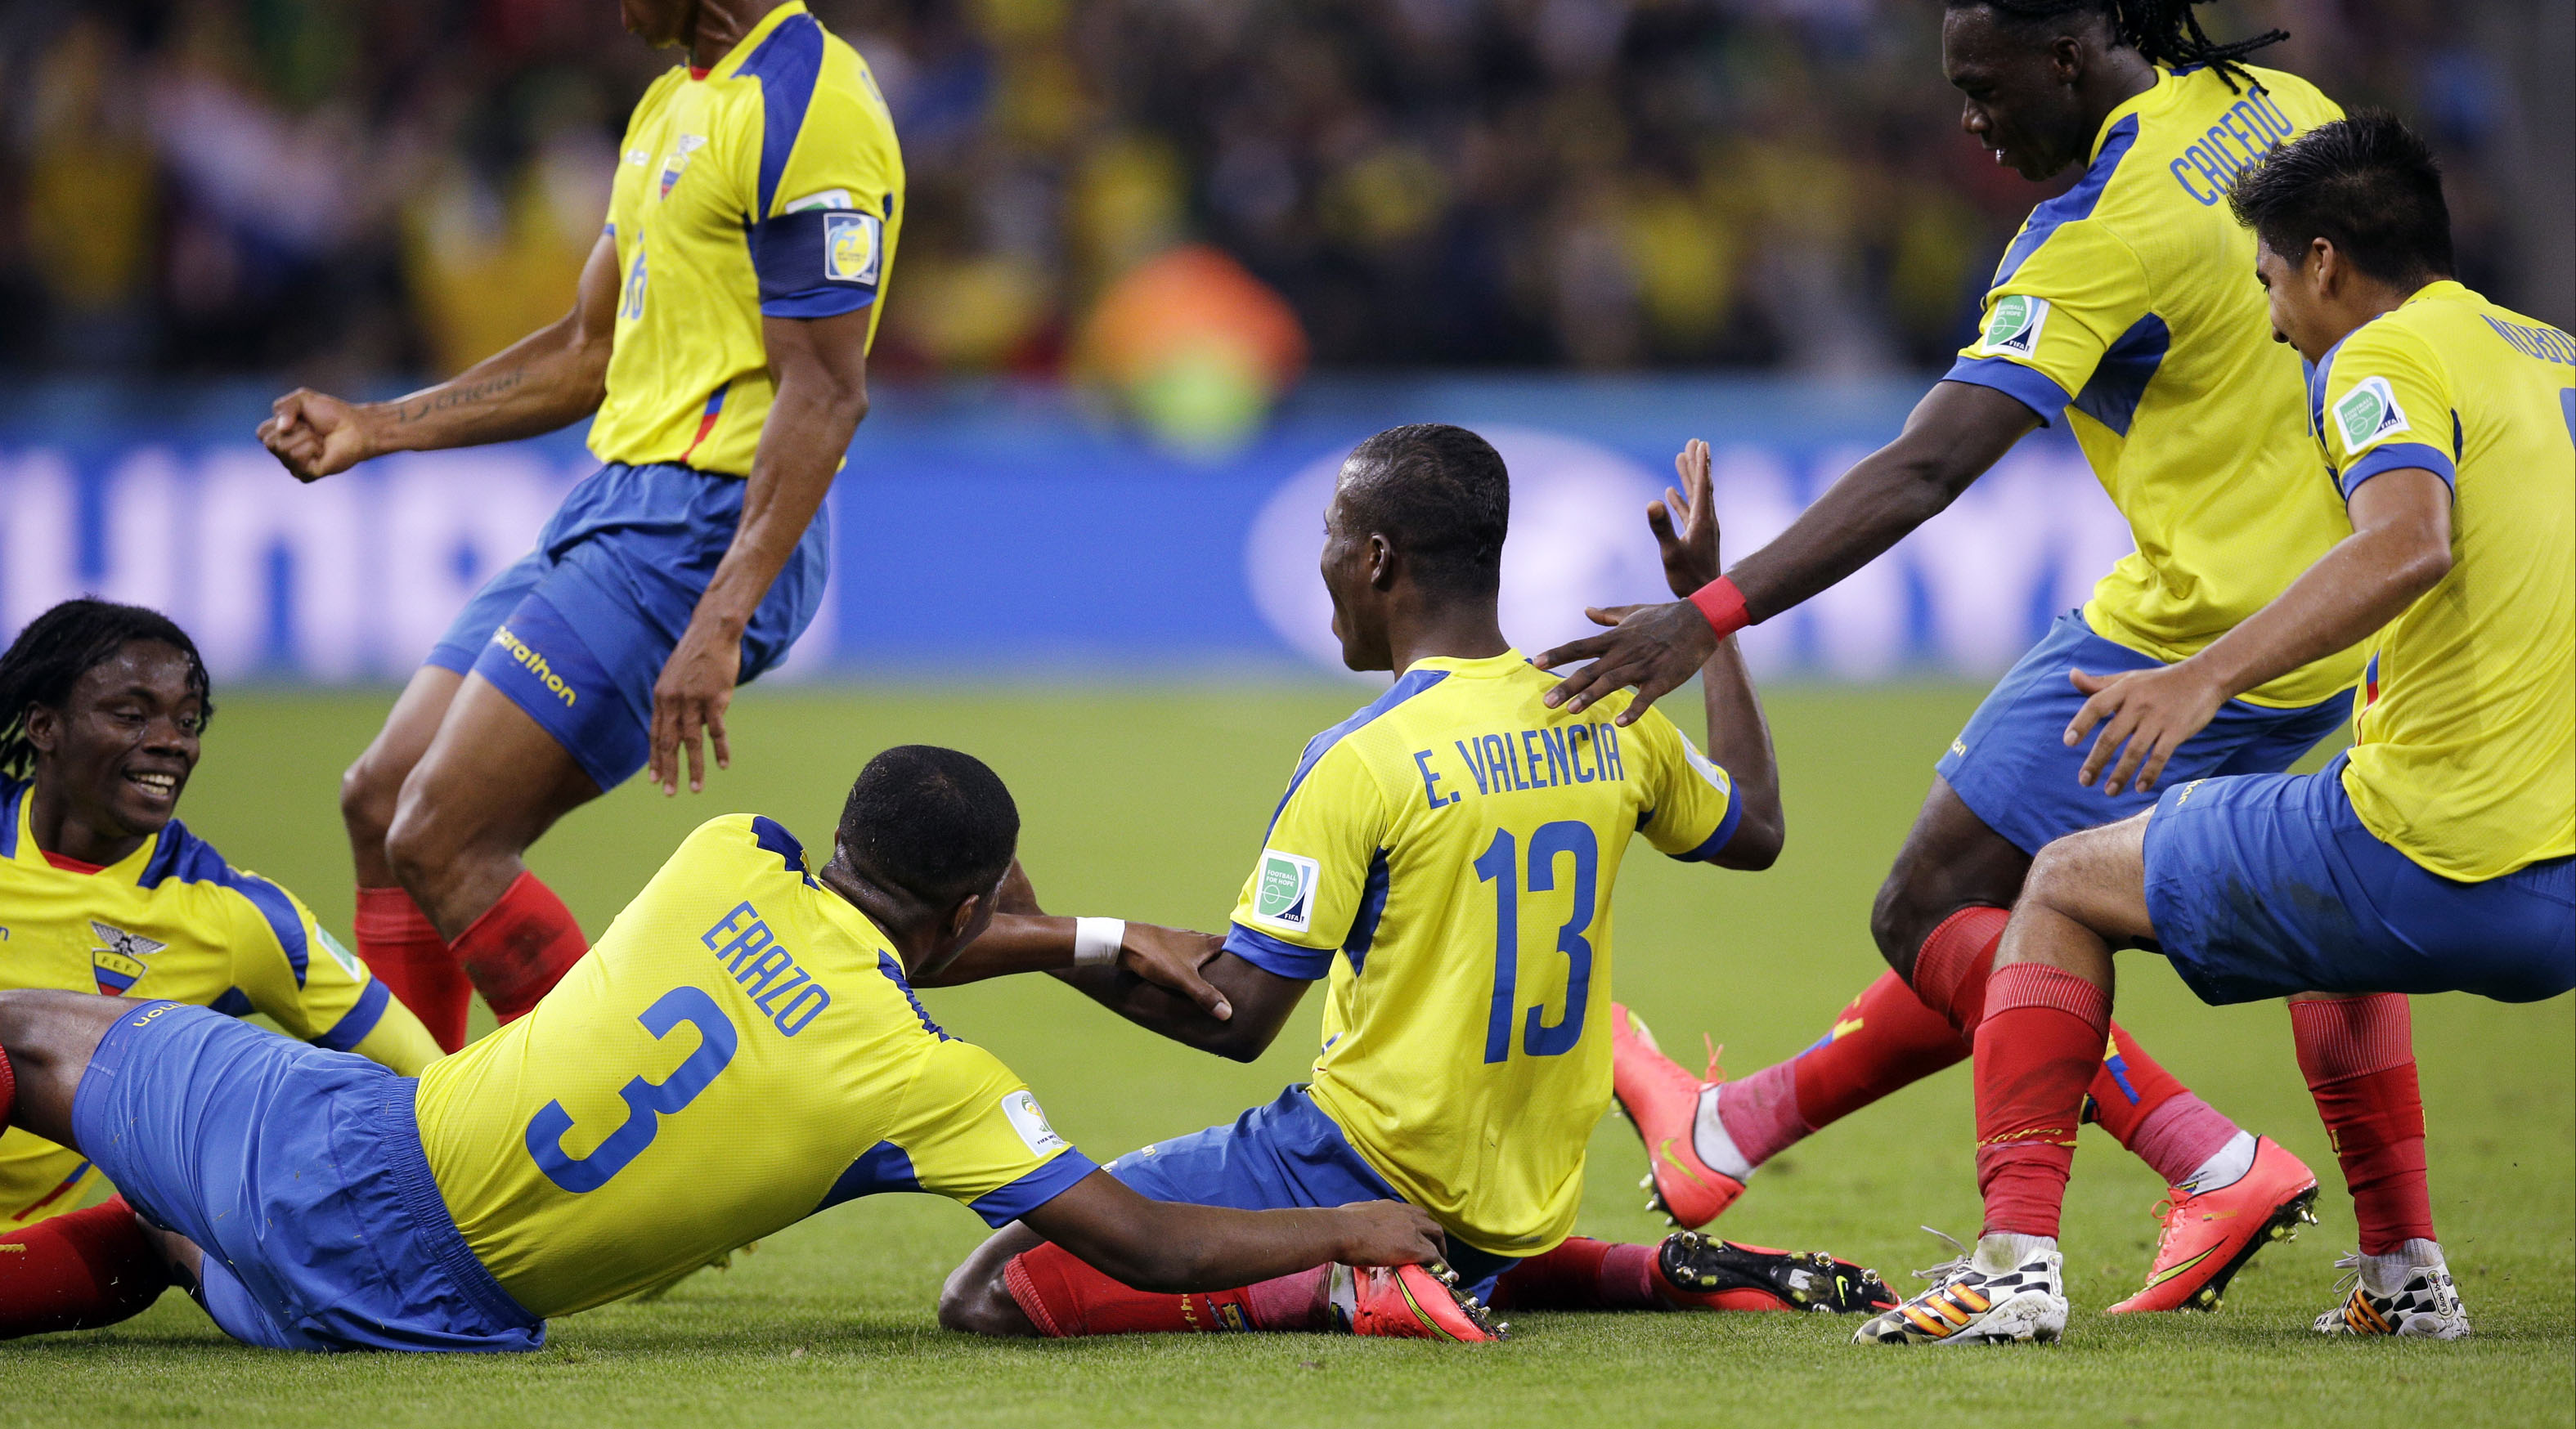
1414	1302
1662	1101
2208	1237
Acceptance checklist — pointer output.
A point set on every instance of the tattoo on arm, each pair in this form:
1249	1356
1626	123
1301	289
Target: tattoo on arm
459	395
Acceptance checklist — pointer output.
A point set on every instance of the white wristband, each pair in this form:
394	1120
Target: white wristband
1096	941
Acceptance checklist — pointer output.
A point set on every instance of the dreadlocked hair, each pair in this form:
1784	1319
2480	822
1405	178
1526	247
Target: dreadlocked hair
67	642
2164	32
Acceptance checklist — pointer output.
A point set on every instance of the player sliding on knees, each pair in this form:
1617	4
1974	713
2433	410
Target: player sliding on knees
102	708
741	1050
1443	859
2122	309
718	342
2434	857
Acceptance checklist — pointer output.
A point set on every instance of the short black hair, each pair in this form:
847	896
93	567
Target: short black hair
935	822
2163	32
67	642
1441	495
2365	183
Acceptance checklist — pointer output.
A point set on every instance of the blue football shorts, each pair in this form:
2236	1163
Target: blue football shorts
2012	768
577	631
298	1171
2265	885
1278	1156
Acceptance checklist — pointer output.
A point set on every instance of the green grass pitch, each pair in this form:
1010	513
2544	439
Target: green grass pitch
1150	805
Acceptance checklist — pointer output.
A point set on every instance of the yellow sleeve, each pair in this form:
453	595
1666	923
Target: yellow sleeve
299	976
821	181
2062	298
1305	894
970	1130
1693	812
2381	401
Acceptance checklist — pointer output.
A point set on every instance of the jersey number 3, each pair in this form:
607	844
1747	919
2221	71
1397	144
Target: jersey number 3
646	1102
1498	865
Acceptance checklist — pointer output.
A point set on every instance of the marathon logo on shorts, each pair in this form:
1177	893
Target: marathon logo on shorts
1284	894
853	247
2368	413
2015	326
535	664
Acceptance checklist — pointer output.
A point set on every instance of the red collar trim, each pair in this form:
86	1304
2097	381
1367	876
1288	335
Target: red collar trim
71	865
697	73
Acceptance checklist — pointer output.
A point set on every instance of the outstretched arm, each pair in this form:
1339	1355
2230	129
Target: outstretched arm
2400	547
551	378
1739	739
1024	938
1258	1003
1169	1247
1955	433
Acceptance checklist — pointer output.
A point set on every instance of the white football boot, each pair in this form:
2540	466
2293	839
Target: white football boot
2011	1288
2405	1292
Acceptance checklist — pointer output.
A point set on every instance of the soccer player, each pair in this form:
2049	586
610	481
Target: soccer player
742	1050
2122	310
2434	857
1443	859
103	890
719	344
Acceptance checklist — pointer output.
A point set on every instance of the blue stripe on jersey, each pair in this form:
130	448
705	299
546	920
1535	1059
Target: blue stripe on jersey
12	792
2073	205
1414	683
2398	456
234	1003
894	974
1005	1204
2027	385
1708	847
349	1031
2318	373
1279	958
787	64
1372	907
773	836
2120	379
190	859
885	1167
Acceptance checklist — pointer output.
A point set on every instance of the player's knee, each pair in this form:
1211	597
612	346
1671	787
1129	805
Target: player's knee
368	797
1896	922
976	1304
2057	878
421	844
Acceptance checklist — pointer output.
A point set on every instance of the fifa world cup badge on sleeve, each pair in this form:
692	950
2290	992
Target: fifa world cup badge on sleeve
1286	895
2367	413
2016	325
852	244
1030	1121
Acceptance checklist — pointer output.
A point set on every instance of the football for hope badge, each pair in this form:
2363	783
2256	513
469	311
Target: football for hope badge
2016	324
2367	413
1285	895
852	246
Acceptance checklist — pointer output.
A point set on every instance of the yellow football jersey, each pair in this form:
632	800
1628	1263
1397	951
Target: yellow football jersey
767	186
738	1051
2464	738
2129	303
173	920
1446	857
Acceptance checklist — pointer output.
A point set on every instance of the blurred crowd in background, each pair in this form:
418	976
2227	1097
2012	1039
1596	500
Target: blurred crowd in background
356	192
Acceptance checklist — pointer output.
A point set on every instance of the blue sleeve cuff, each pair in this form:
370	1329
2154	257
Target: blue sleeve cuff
2399	456
816	303
2027	385
1003	1205
349	1031
1709	846
1273	956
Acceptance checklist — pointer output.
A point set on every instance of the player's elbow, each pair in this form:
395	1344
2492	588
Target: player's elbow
1756	844
1237	1041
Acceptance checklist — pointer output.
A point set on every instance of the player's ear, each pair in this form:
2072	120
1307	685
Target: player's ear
1381	561
44	727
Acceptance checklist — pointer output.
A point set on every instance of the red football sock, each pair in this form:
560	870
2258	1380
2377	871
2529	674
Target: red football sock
1951	968
521	947
2138	1101
2041	1041
1066	1298
2359	1057
78	1271
404	951
1583	1274
1885	1039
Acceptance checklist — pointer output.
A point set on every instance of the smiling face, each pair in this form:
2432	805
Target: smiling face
2022	100
119	751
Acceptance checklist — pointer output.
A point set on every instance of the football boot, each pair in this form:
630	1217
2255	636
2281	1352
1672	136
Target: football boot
1987	1296
1704	1273
2206	1237
1410	1302
1661	1100
2411	1297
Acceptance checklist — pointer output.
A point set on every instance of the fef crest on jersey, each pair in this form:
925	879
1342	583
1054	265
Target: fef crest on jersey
117	962
678	163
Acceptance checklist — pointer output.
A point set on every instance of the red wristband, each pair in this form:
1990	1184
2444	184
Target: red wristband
1723	605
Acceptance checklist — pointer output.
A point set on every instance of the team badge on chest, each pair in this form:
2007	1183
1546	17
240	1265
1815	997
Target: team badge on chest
118	960
678	163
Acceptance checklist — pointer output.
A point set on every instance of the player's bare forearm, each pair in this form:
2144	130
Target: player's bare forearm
1259	1002
1172	1248
1037	943
1739	741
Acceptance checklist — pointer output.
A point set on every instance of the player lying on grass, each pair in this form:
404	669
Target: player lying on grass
718	346
2122	309
740	1051
1444	860
2434	857
103	889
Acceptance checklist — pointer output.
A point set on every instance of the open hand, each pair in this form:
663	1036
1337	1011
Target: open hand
1172	957
1656	648
1390	1233
2150	712
689	700
1689	552
314	435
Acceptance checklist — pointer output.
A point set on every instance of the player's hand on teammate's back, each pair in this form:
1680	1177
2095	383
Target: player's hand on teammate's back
1656	648
313	434
1391	1233
1172	957
689	702
2151	712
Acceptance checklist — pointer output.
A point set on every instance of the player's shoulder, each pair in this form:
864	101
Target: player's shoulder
746	845
1365	736
2294	95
